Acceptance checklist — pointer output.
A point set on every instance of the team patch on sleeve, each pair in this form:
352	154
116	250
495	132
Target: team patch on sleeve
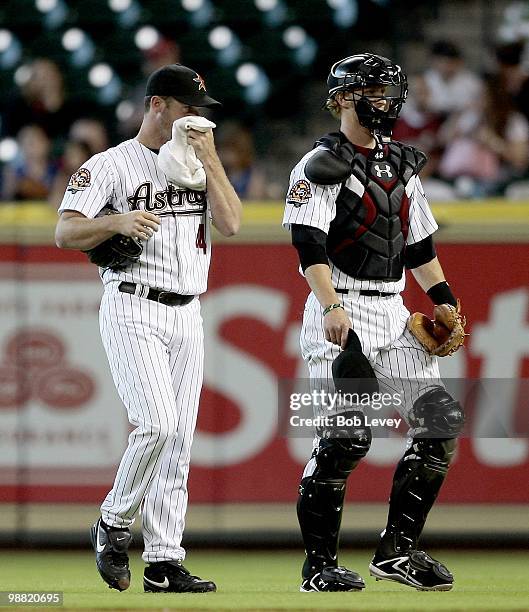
79	180
299	193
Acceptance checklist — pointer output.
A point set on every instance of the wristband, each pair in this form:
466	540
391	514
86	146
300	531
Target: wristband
331	307
442	294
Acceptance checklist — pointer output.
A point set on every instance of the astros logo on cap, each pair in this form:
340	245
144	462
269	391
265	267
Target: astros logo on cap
200	81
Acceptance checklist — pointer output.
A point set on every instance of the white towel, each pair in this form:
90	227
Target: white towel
178	160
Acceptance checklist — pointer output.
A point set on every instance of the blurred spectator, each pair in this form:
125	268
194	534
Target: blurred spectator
86	138
92	132
41	101
452	86
486	146
31	174
236	151
164	52
418	125
76	152
513	75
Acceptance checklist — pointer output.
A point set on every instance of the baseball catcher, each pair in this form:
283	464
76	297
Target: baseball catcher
359	219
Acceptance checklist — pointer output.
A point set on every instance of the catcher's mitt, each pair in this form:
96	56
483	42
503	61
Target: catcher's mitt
442	336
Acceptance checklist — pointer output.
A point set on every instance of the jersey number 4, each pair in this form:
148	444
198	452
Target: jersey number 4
201	238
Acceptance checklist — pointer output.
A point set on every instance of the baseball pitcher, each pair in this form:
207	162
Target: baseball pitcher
142	212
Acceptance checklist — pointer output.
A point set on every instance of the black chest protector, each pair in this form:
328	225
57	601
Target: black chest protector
367	238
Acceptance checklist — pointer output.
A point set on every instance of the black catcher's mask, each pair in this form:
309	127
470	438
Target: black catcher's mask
360	72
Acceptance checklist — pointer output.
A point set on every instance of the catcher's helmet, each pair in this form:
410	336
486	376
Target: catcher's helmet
358	72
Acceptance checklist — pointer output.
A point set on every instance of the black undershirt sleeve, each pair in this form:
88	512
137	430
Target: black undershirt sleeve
417	254
310	245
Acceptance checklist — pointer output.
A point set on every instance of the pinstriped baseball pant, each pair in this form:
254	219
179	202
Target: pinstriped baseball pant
156	356
394	354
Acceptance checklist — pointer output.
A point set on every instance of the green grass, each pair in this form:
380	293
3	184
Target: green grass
270	580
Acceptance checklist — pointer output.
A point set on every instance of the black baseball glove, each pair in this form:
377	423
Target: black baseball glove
118	252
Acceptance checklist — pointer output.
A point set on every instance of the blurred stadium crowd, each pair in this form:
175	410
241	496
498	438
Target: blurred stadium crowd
72	77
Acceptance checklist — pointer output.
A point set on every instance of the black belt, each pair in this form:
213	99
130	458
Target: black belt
367	292
157	295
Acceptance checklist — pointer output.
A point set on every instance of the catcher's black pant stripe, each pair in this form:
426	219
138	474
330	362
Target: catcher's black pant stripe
157	295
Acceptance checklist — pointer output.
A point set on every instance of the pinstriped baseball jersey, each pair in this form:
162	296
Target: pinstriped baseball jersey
315	205
124	178
155	351
379	322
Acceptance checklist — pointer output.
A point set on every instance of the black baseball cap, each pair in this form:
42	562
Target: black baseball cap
181	83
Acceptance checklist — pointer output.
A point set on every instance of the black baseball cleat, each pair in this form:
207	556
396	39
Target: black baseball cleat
414	568
111	545
173	577
332	579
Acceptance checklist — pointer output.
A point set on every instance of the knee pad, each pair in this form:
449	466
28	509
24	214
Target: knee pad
438	413
344	441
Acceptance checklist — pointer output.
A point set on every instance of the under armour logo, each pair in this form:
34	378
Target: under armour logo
381	170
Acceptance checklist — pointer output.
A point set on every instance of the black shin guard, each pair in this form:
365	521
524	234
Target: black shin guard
319	508
340	449
416	483
422	470
321	496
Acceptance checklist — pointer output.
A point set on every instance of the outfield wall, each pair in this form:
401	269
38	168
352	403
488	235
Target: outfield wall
63	429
